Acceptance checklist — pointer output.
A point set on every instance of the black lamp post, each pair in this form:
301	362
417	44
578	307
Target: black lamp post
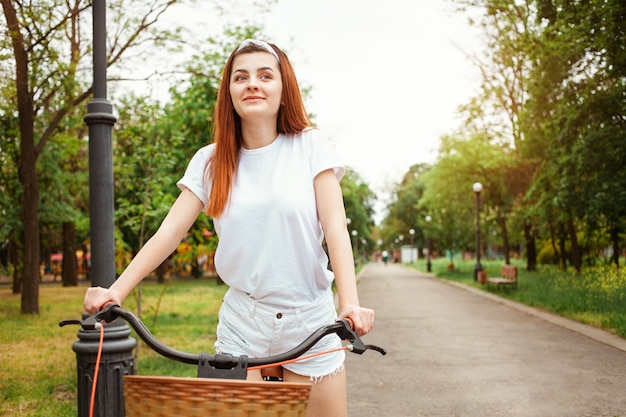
429	267
411	232
117	358
355	247
477	187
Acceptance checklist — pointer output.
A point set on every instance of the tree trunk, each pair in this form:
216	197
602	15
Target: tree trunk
555	249
27	165
615	242
563	254
531	247
30	219
160	271
15	259
86	262
577	259
505	239
69	274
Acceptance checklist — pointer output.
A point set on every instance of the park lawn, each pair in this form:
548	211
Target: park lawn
38	365
596	297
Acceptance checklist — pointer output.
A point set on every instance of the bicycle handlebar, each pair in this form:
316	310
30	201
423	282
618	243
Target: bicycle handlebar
222	363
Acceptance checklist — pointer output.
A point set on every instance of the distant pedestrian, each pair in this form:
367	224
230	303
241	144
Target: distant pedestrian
385	257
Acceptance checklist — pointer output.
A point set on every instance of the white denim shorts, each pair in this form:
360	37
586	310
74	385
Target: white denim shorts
248	327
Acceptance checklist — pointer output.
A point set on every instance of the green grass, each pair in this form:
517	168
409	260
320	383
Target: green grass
186	320
596	297
38	366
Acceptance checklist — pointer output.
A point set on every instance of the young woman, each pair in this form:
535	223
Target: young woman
271	183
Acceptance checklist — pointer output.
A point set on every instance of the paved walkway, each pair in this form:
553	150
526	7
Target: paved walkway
455	351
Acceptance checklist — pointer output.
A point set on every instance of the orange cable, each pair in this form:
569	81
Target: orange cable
95	372
301	358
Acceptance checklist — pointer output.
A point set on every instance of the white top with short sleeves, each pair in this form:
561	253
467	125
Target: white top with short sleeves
270	237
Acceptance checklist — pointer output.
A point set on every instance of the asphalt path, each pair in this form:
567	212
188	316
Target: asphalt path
455	351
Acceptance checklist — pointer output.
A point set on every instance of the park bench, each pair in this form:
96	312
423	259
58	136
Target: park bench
509	277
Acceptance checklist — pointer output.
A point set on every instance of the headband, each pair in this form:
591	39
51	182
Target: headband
261	44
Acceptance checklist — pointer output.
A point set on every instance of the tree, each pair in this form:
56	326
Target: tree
577	104
447	196
10	227
405	213
510	31
359	204
48	47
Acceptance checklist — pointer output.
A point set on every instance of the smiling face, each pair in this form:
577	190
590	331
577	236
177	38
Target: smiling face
256	86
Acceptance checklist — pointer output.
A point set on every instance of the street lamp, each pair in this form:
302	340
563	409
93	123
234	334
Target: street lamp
117	356
355	247
477	187
364	249
411	232
428	263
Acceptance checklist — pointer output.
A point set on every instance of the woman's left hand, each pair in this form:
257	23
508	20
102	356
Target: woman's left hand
362	318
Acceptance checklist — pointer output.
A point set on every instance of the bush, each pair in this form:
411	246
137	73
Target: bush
546	256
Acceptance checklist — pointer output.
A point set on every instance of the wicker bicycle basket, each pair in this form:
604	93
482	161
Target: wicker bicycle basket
156	396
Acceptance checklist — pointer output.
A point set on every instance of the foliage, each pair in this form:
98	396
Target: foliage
404	214
543	135
547	256
577	104
10	189
359	204
144	181
49	44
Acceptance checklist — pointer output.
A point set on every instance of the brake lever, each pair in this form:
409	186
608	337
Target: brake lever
346	332
90	323
95	321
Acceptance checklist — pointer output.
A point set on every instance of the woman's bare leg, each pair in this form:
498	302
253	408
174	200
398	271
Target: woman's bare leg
328	396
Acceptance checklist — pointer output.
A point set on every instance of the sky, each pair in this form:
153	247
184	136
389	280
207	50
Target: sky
386	77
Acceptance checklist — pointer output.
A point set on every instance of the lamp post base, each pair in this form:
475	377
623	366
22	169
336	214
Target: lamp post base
477	268
116	360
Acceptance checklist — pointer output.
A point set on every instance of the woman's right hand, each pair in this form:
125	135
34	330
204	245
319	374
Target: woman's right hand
97	297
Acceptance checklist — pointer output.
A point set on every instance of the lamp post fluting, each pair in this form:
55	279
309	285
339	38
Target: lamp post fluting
477	187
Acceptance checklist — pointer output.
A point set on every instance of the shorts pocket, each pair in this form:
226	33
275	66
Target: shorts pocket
321	316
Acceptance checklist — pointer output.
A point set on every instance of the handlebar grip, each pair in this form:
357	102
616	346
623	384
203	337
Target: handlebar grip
350	322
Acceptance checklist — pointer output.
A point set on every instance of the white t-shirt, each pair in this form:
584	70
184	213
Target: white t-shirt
270	238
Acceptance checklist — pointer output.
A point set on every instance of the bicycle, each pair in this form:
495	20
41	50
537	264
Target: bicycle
221	388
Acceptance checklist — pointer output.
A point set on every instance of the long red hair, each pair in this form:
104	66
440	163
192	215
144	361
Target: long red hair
292	118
